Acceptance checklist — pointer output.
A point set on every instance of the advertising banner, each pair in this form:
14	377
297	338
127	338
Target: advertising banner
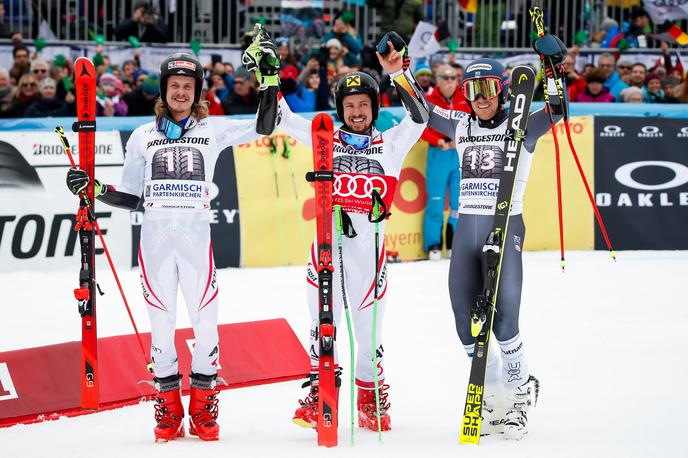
540	202
37	211
641	165
278	209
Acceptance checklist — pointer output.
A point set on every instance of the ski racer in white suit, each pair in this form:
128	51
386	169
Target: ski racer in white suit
170	163
364	159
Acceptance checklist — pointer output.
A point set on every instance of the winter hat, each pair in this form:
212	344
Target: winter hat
289	72
113	85
333	42
670	81
282	41
138	72
628	92
45	82
151	85
650	77
241	72
98	60
422	69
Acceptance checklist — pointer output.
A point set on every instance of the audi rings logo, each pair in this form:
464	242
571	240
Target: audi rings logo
612	131
650	132
683	133
624	175
359	186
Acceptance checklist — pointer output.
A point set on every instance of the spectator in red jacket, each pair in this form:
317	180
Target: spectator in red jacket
442	168
575	83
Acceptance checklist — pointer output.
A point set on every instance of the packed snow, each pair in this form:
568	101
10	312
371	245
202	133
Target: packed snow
605	339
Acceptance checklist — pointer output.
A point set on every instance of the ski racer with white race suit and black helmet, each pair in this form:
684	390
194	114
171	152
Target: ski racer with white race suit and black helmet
170	163
364	159
480	139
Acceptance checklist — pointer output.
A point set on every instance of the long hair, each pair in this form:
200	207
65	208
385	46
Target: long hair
198	111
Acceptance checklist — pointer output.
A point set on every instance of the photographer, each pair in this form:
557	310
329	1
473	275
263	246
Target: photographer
144	25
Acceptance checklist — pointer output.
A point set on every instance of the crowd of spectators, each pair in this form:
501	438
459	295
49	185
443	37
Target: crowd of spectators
34	87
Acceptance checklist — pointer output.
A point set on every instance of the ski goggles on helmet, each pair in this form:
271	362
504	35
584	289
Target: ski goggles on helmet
485	87
356	141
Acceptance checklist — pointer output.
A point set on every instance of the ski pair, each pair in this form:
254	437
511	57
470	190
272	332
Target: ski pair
328	380
482	312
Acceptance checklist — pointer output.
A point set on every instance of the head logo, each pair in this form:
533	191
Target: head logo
476	67
353	80
522	78
650	132
624	175
181	64
501	205
683	133
612	131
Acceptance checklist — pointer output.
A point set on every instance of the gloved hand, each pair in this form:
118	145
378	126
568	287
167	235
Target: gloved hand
550	47
77	180
398	43
262	57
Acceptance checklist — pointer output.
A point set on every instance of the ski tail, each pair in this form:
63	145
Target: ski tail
328	374
522	89
85	76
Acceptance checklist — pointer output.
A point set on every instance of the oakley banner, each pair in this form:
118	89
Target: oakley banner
641	182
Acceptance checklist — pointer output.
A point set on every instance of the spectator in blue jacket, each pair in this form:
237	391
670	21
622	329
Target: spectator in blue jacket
344	31
607	64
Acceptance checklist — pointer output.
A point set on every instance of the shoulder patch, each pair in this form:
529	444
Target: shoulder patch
441	111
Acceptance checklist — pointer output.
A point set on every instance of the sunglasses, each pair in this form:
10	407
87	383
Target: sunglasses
448	78
239	81
625	67
40	70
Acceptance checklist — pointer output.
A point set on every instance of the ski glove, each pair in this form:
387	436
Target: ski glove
550	48
77	180
399	45
262	57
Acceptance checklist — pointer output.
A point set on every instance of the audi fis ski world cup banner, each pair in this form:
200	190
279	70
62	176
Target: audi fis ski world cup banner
641	182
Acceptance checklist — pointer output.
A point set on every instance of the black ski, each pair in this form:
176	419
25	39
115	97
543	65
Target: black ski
482	313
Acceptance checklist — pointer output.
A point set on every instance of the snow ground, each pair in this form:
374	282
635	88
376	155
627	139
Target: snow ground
610	385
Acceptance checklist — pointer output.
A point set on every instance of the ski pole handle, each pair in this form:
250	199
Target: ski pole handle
538	18
376	204
65	144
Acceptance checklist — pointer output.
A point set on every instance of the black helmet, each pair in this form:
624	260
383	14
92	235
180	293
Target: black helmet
184	64
357	83
484	68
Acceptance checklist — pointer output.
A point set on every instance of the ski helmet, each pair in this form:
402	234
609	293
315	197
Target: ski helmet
485	69
357	83
184	64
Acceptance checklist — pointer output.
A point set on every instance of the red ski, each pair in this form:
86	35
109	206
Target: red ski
85	76
323	179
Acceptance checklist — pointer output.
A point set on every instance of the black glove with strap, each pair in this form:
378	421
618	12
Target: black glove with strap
550	49
78	179
399	45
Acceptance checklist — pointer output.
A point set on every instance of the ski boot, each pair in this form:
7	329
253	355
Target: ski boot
306	415
367	413
518	403
435	252
203	408
169	412
493	411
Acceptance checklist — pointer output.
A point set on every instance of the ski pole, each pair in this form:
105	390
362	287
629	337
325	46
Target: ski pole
537	18
65	144
338	224
376	218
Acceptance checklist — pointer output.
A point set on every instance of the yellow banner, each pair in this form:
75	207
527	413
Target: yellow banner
540	202
277	208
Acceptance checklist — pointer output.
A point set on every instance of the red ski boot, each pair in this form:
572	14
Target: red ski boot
203	408
306	416
169	412
367	413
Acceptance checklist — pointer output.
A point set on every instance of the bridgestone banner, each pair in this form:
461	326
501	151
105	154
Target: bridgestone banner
641	182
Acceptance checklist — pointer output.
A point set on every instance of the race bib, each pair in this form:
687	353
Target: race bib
178	194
